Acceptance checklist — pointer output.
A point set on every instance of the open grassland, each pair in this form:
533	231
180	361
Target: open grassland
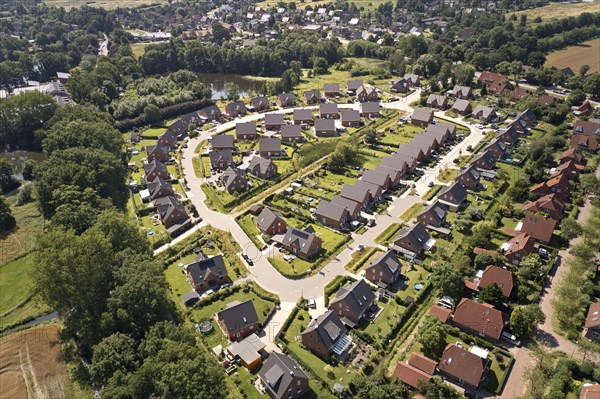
576	56
32	365
108	4
138	49
558	11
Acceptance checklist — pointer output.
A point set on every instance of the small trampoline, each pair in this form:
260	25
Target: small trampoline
205	327
418	286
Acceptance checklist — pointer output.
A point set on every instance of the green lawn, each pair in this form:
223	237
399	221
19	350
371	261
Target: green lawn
432	192
388	234
21	240
447	175
362	259
412	212
153	132
247	224
401	135
201	166
381	327
17	300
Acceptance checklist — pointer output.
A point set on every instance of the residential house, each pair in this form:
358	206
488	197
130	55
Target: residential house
495	82
353	85
546	100
412	79
283	378
589	391
181	125
375	191
519	93
350	118
358	195
508	136
234	180
519	247
285	100
262	168
549	204
384	270
325	127
572	154
158	152
453	196
159	188
376	177
238	320
462	92
353	301
569	168
274	121
207	273
585	143
210	113
303	117
444	314
351	206
301	243
497	147
326	335
222	142
245	131
156	169
585	109
484	160
527	116
271	222
329	111
404	163
592	323
492	274
462	107
221	159
419	151
172	214
370	109
413	240
437	101
332	215
421	117
441	131
399	86
250	351
312	96
367	93
394	175
586	128
167	139
291	133
469	177
560	185
479	319
484	114
269	147
261	103
539	227
434	215
235	109
331	89
463	367
416	371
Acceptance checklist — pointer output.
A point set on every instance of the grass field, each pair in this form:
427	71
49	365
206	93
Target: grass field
108	4
557	11
32	365
576	56
366	4
139	49
22	239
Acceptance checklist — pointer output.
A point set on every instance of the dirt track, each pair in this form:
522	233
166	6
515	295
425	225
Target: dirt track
31	364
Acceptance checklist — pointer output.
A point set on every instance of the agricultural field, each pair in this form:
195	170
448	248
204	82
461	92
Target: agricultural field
556	11
108	4
32	365
576	56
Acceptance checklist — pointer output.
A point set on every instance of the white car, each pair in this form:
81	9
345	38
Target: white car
479	126
360	247
312	303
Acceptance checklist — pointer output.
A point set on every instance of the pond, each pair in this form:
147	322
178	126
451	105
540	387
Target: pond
18	158
217	81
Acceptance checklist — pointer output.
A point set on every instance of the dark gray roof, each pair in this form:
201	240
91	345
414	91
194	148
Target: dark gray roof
328	108
158	183
286	97
461	90
288	131
354	193
239	315
350	205
328	327
222	141
220	156
357	296
487	156
455	193
460	105
330	210
411	77
278	374
484	110
259	101
437	210
354	84
167	206
367	89
388	262
436	97
210	112
271	144
158	148
303	114
261	163
199	271
375	177
245	128
373	188
351	115
471	173
230	175
331	87
274	119
177	127
369	107
235	106
154	165
416	234
303	239
312	94
422	114
267	217
325	124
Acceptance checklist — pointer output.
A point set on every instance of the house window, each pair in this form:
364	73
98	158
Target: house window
299	383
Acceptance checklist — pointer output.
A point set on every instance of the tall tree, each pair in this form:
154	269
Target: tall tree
525	319
447	280
432	337
21	116
7	180
7	220
117	352
492	294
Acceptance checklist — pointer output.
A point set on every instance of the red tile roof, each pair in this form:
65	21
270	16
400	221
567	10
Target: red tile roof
442	313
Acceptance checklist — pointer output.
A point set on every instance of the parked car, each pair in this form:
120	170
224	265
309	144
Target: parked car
507	336
446	302
469	147
248	260
360	247
371	223
312	303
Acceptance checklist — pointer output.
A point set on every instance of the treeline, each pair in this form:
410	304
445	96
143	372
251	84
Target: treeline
96	268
